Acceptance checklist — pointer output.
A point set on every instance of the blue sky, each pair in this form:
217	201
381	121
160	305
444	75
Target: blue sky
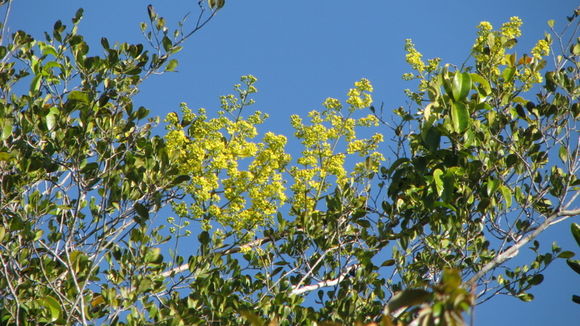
304	51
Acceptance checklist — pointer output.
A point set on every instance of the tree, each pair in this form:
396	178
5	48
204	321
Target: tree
486	158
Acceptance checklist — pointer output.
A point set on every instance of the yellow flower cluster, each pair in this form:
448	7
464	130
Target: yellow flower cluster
213	153
322	164
413	56
542	48
484	28
359	97
511	29
490	48
414	59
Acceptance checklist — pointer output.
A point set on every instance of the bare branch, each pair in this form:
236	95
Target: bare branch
513	250
327	283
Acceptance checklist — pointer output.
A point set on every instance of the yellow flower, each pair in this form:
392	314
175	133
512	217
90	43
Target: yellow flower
511	29
542	48
413	56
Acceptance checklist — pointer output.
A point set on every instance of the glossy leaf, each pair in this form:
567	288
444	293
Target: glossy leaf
574	264
53	306
575	228
35	83
461	86
507	195
459	116
50	121
485	88
438	181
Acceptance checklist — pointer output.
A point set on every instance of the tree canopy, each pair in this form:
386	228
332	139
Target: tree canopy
483	160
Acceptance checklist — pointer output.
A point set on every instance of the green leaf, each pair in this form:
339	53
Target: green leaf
566	254
5	156
78	96
432	138
507	195
153	256
166	43
574	264
526	297
171	65
252	318
563	152
459	117
492	185
105	43
6	129
78	15
50	121
53	307
485	88
551	23
203	237
508	73
142	211
438	181
575	49
451	280
2	233
461	85
536	279
363	223
388	262
35	84
407	298
180	179
575	228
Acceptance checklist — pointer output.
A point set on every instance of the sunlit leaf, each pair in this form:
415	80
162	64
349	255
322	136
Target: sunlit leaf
526	297
461	86
459	116
485	88
563	152
6	129
53	307
171	65
50	121
153	256
508	73
438	181
507	195
35	83
407	298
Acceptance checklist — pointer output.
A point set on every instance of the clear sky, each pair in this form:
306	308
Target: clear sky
303	51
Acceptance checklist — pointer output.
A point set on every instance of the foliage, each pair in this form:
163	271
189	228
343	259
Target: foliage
574	263
485	159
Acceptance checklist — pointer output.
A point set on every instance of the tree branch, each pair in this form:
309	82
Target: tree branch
258	242
513	250
327	283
